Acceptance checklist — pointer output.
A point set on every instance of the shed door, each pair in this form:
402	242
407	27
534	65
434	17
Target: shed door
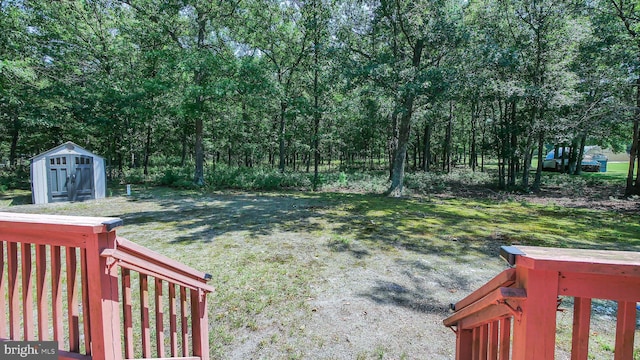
82	175
70	178
58	175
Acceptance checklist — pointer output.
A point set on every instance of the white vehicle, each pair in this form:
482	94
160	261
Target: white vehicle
591	161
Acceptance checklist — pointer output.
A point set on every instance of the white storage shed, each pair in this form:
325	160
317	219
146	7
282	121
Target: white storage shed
67	173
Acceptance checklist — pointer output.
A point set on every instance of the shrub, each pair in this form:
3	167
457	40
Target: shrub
357	181
225	177
178	177
433	182
133	176
15	178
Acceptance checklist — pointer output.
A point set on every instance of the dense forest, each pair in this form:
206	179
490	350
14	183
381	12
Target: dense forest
302	85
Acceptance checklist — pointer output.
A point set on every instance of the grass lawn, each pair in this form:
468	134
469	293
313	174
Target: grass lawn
290	268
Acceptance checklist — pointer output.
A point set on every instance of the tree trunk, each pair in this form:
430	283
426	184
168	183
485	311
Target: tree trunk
583	141
446	156
404	131
538	179
500	130
483	131
199	80
183	154
281	136
393	141
397	175
473	152
15	135
633	185
417	153
426	166
574	158
513	145
147	149
527	158
198	177
316	100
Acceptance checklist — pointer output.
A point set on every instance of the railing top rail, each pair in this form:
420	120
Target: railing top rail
504	279
493	299
143	266
607	262
161	261
61	223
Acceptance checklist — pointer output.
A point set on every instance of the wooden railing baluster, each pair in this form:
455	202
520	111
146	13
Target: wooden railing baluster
505	338
72	300
581	324
27	292
41	292
127	313
144	315
56	295
3	290
159	319
484	341
493	340
173	331
14	288
625	330
184	321
86	319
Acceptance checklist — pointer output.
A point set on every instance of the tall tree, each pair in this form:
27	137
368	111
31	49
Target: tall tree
17	75
278	33
197	29
406	44
629	14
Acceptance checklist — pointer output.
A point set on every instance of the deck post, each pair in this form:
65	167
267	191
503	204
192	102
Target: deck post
535	330
200	324
103	299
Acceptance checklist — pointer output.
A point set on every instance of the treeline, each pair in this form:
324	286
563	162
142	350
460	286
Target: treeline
404	85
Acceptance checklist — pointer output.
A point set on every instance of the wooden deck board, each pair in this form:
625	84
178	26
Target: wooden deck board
61	222
605	262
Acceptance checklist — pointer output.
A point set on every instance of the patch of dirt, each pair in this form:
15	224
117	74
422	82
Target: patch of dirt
597	198
364	303
602	197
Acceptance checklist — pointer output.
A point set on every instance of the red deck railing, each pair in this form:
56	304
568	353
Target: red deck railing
77	267
513	316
